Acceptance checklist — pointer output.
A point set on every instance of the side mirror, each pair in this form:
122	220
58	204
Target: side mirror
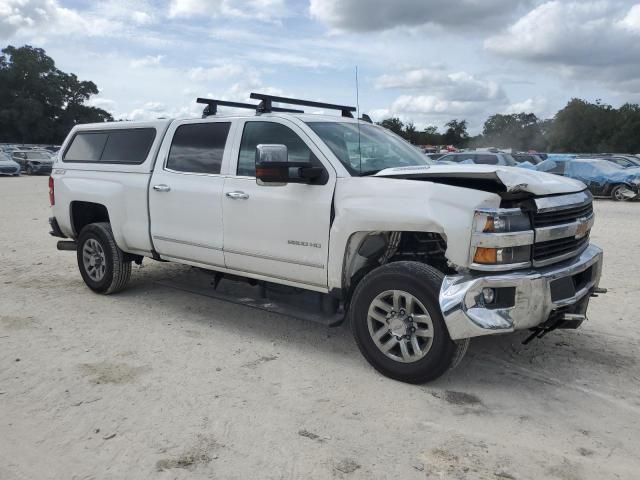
274	168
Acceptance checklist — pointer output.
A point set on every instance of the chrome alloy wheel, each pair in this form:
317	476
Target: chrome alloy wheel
94	259
400	326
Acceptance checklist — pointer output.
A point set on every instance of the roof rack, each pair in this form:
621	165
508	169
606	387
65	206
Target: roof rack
213	104
266	104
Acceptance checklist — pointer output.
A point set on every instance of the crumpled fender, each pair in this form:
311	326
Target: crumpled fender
386	204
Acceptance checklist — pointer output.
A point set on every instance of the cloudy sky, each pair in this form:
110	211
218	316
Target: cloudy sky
426	61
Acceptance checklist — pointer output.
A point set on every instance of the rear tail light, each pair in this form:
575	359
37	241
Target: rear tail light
52	193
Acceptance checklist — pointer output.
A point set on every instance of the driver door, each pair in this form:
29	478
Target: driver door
279	231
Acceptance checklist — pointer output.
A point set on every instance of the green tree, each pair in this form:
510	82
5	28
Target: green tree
38	102
519	131
394	124
456	133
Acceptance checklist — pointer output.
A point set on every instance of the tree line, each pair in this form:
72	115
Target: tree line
39	103
579	127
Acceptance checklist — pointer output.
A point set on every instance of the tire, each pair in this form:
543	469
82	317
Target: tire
420	284
29	170
112	272
615	194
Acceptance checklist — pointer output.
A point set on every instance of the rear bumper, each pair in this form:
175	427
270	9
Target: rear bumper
538	294
55	228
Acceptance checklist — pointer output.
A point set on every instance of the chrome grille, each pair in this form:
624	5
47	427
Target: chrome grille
558	217
544	251
561	226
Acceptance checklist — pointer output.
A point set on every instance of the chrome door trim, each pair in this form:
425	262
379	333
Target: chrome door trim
277	259
183	242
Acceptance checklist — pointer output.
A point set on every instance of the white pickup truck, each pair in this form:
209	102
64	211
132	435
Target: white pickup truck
419	257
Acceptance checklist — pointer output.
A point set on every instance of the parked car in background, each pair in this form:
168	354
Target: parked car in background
8	166
624	161
33	162
532	158
479	158
602	177
435	156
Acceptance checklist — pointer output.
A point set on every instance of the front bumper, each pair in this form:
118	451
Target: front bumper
535	302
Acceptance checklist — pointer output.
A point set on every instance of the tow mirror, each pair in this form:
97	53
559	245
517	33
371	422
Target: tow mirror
274	168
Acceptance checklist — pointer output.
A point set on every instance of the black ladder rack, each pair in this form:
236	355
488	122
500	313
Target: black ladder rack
213	104
266	104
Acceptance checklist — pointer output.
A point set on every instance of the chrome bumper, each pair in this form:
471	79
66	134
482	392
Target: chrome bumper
466	316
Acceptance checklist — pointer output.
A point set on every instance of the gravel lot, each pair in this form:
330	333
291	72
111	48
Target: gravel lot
159	383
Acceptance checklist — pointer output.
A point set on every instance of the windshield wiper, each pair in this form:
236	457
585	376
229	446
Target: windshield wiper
368	173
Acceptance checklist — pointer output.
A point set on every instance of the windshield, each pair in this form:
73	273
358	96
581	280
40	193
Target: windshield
38	156
604	166
374	149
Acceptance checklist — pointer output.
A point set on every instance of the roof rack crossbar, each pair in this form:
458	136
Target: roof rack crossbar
213	104
266	104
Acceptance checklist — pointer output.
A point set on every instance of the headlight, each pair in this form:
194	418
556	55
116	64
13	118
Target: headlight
501	240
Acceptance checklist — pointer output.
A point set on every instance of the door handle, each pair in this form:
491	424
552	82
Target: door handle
162	188
237	195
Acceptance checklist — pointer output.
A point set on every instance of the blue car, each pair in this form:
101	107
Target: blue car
602	177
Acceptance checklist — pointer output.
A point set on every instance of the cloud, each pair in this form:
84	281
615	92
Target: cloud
222	72
288	59
266	10
591	40
376	15
458	86
149	60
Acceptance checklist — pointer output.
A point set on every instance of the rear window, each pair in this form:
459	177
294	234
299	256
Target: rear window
130	146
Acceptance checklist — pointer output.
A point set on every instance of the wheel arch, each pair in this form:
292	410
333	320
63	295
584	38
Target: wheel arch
367	250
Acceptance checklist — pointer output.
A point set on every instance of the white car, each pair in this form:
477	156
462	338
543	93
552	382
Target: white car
8	166
420	257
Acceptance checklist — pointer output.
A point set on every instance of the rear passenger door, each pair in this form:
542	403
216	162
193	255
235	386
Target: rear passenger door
185	194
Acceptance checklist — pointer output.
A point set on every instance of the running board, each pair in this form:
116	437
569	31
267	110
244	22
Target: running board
295	303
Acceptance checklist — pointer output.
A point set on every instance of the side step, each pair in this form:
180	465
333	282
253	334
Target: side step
285	301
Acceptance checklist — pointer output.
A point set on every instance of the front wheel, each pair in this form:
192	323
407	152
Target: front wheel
396	321
29	170
102	264
618	193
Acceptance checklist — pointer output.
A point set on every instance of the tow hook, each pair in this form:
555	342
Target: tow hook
540	332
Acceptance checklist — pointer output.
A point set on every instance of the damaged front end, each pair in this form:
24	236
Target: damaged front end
533	268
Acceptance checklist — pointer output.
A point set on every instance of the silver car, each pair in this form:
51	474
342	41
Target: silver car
33	161
8	166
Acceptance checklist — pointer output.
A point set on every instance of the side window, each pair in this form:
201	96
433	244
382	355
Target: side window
130	146
198	147
559	168
486	160
256	133
86	147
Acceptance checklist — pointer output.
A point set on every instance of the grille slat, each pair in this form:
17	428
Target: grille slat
562	247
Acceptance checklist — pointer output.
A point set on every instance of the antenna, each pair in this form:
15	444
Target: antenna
358	120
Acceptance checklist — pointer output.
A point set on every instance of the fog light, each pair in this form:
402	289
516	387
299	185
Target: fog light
488	295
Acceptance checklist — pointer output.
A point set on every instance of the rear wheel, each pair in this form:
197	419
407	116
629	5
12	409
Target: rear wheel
102	264
396	321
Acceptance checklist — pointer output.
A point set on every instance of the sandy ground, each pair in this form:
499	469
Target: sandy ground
158	383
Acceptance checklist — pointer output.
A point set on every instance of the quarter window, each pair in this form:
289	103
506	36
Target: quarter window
256	133
198	147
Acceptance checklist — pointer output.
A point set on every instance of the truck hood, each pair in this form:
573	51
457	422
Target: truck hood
511	178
